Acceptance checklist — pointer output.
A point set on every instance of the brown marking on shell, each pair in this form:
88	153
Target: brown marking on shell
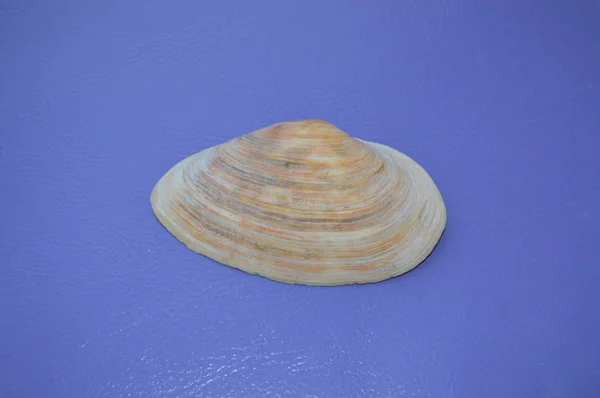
303	202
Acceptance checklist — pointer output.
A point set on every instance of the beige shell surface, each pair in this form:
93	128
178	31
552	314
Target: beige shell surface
303	202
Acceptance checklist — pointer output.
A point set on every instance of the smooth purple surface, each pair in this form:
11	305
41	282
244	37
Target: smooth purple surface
498	100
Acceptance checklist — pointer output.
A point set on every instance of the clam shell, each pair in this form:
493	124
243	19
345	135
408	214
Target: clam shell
303	202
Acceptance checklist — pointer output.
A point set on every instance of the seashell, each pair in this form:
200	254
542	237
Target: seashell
303	202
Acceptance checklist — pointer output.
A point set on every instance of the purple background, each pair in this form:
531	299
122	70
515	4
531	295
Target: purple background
498	100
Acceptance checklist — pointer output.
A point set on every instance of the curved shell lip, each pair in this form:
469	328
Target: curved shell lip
310	278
